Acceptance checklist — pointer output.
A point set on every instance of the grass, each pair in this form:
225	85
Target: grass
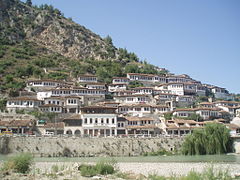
20	163
209	173
101	168
158	153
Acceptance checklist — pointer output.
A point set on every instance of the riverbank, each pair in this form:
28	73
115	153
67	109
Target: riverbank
69	170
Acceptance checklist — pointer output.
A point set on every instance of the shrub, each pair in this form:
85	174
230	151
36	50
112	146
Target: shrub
208	174
214	138
20	163
88	170
102	167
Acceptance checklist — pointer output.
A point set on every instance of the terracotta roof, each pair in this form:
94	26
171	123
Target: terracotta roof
135	105
184	109
87	76
117	84
132	95
24	98
149	126
185	121
95	83
227	102
208	109
45	80
233	126
120	78
74	116
59	125
139	74
50	105
142	88
98	107
16	123
161	106
54	97
208	103
132	118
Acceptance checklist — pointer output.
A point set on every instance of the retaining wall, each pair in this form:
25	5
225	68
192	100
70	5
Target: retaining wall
81	147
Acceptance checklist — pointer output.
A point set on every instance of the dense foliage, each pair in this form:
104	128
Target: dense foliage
20	163
214	138
102	167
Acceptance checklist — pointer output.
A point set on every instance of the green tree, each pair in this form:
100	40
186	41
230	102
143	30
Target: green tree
29	2
134	84
168	116
132	68
214	138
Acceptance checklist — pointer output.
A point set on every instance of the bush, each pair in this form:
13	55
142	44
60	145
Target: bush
104	168
101	167
214	138
20	163
208	174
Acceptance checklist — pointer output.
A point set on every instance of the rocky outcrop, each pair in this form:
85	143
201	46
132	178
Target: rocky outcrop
47	27
81	147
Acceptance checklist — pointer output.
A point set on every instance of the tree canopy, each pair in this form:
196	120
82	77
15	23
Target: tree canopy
214	138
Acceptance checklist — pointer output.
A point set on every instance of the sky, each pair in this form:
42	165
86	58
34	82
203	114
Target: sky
198	38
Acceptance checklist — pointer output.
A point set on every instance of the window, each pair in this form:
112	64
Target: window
90	120
85	120
96	120
113	120
107	121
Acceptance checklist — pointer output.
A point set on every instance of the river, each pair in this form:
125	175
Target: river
228	158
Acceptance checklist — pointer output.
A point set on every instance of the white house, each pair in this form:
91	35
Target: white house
44	84
143	90
87	78
120	80
131	99
151	78
51	108
142	126
99	120
25	103
135	109
101	86
221	93
117	87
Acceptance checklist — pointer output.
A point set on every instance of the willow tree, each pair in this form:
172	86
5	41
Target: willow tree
214	138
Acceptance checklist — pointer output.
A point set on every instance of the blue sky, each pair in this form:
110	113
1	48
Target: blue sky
199	38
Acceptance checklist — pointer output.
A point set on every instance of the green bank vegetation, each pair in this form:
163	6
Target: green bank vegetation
101	168
20	163
209	173
214	138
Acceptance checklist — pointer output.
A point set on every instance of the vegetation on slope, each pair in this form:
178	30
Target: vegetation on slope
32	46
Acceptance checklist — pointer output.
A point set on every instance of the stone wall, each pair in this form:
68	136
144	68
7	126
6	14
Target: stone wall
80	147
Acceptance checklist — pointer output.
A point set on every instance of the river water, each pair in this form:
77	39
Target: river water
229	158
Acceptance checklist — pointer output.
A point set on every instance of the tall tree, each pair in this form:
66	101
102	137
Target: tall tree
29	2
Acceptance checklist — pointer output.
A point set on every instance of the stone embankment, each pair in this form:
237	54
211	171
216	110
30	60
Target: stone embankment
85	147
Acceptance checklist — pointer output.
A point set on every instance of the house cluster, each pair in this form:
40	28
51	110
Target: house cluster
163	105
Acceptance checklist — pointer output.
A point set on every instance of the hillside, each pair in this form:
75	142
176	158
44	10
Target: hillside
39	42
